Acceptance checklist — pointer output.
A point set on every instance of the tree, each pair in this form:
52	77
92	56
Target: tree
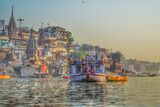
79	54
70	40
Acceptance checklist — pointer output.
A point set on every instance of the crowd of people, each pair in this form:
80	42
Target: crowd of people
90	64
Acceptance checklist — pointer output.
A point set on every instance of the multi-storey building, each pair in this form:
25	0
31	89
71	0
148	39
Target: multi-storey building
55	38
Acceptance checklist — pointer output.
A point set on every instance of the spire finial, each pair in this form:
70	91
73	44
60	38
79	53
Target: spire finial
31	34
12	10
42	25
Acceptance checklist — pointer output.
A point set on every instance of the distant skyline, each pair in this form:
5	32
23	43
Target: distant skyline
130	26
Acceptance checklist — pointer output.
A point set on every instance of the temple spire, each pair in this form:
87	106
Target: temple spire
41	36
12	22
31	46
12	11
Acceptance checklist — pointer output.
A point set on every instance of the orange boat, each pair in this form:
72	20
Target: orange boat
116	78
4	76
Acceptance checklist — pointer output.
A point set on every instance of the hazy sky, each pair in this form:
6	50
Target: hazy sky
130	26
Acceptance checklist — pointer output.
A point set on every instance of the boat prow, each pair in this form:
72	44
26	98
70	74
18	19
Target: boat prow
97	78
66	77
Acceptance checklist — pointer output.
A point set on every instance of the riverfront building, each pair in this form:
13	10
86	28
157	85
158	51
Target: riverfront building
19	37
54	39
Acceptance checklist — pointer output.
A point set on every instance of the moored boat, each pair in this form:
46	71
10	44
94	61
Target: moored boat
116	78
4	76
78	75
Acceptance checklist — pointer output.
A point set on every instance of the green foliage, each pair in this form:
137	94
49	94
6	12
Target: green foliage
79	54
70	40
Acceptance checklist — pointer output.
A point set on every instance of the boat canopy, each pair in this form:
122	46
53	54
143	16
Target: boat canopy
99	68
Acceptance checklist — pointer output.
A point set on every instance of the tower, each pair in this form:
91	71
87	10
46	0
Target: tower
41	37
12	26
31	47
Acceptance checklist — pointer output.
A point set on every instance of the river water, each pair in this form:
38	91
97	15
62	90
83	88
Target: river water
59	92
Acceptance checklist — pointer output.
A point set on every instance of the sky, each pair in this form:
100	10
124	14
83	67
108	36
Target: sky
129	26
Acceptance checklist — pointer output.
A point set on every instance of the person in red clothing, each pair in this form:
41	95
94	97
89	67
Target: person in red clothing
85	70
91	70
44	69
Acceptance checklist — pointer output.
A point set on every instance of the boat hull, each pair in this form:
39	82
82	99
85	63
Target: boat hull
39	75
117	78
90	78
4	76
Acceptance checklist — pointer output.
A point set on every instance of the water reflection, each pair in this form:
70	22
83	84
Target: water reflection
87	94
59	92
12	91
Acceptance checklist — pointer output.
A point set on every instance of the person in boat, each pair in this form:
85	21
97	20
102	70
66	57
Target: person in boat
85	70
122	73
112	67
71	61
91	70
2	72
83	64
80	64
44	69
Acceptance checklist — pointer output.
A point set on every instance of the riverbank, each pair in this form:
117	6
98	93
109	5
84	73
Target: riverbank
144	74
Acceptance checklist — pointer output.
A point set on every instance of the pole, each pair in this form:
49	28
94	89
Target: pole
20	33
20	23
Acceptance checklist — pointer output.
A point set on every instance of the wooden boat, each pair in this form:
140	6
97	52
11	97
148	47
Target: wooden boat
79	76
91	78
116	78
41	75
4	76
